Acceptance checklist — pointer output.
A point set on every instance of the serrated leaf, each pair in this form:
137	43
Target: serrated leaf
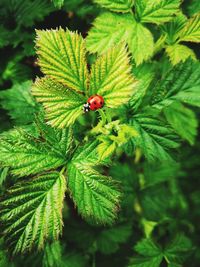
179	53
146	262
19	103
183	120
155	138
63	106
62	56
27	154
140	37
53	255
181	83
191	30
158	11
108	30
111	77
117	5
95	195
32	212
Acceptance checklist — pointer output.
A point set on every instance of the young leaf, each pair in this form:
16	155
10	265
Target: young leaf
63	106
140	37
32	212
62	56
117	5
178	53
181	83
158	11
19	103
111	77
108	29
183	120
28	154
155	138
58	3
95	195
191	30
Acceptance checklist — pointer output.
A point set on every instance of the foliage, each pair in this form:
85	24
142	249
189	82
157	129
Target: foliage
117	186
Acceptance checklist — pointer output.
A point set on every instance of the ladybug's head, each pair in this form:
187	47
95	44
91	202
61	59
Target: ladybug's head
86	107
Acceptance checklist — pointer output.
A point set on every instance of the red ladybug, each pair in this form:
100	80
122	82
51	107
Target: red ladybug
93	103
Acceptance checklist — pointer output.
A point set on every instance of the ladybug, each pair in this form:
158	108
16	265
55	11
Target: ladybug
93	103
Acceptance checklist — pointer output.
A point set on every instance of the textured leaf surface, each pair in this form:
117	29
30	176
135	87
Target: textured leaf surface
141	43
62	57
95	195
19	103
183	120
155	138
158	11
28	154
191	30
117	5
178	53
63	106
111	77
108	29
181	83
32	212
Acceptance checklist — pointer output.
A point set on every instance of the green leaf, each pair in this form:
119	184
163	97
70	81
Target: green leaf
117	5
110	239
158	11
58	3
191	30
151	252
95	195
183	120
26	153
32	212
19	103
140	37
111	77
193	7
181	83
178	53
146	262
155	138
178	249
108	30
62	105
53	255
62	56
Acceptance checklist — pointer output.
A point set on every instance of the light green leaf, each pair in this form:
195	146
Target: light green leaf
155	138
95	195
108	29
117	5
58	3
26	153
111	77
62	105
191	30
141	43
62	56
181	83
183	120
157	11
178	53
106	148
19	103
32	212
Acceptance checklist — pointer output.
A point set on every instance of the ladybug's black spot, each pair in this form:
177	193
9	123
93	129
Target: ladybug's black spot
101	103
95	102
